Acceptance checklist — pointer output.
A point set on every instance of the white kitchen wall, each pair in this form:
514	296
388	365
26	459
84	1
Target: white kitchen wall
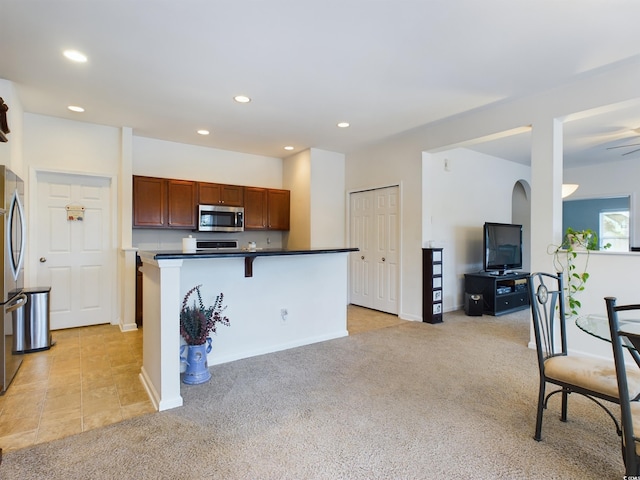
65	145
56	144
160	158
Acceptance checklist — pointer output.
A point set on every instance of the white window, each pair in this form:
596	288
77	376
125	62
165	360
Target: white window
614	230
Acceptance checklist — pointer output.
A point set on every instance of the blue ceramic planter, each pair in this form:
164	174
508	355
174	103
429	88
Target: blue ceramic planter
197	369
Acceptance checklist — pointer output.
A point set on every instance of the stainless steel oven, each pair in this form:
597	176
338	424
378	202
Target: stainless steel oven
219	218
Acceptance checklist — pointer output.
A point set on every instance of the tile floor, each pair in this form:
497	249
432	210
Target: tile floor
89	379
361	319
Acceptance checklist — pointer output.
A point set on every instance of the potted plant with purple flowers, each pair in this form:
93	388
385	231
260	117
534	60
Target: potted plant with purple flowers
197	323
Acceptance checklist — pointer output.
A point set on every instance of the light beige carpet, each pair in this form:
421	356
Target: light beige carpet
413	401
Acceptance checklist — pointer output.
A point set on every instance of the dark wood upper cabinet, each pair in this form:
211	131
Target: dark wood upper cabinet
149	202
255	208
220	194
164	203
279	209
266	209
168	203
181	197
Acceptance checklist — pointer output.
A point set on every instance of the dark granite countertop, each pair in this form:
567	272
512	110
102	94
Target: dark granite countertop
226	253
248	255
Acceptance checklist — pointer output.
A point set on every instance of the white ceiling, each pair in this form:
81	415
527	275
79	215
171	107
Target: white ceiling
169	67
602	136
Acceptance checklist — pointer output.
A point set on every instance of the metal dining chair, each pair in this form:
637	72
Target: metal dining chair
629	404
592	378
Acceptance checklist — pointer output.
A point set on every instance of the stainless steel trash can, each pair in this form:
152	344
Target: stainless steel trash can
31	329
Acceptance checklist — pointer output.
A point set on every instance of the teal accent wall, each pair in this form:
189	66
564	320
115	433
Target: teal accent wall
585	214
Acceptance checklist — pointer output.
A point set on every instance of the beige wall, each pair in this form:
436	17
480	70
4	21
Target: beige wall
297	179
316	180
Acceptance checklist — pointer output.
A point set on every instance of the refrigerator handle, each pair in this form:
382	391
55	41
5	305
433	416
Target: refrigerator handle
22	301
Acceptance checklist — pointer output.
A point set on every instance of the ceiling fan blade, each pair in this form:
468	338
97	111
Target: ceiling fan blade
624	146
632	151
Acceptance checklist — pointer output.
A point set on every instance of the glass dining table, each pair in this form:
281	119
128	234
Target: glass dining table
598	326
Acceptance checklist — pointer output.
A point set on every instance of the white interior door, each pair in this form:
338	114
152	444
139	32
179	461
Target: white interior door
75	256
386	249
361	261
374	270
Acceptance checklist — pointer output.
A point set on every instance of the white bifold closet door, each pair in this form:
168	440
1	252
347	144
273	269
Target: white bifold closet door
373	270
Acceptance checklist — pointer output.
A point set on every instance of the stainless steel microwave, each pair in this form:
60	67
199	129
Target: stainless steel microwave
219	218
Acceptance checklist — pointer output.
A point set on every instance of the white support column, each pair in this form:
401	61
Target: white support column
127	261
546	195
546	190
161	332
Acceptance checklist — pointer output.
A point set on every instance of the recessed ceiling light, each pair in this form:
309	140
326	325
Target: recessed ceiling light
242	99
75	108
343	124
288	147
203	132
75	56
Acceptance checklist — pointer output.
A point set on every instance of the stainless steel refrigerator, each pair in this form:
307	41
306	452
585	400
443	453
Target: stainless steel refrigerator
12	239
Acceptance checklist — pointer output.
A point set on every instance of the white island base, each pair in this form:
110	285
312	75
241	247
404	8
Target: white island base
310	286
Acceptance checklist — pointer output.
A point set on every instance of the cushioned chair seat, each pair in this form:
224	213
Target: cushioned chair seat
590	373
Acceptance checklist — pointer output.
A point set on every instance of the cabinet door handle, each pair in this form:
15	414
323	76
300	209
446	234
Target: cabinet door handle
383	259
362	257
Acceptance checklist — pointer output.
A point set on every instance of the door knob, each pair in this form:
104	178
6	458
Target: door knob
383	259
43	259
362	257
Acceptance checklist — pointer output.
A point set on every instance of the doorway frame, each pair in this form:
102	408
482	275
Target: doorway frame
400	236
32	265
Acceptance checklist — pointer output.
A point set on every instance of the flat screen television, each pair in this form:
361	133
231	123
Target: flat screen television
502	247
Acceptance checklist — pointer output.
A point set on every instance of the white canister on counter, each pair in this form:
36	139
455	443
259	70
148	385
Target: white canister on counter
189	244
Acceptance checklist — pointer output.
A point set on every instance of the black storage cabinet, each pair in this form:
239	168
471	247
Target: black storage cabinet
432	285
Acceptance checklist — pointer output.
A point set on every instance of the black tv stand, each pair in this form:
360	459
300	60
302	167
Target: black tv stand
498	273
502	294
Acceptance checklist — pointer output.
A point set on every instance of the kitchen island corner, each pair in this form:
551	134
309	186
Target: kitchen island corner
310	285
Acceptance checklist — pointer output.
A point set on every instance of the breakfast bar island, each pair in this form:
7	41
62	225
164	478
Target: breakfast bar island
276	299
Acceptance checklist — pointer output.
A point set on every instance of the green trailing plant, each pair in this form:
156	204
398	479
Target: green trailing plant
564	260
198	322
